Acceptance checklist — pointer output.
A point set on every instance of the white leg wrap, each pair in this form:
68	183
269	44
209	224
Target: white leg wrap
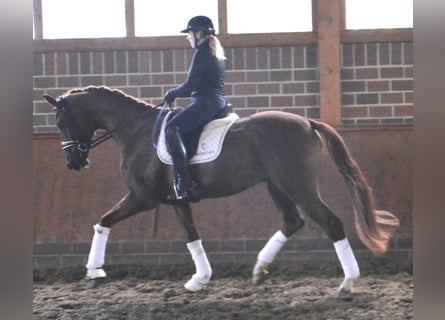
202	265
96	257
347	259
272	247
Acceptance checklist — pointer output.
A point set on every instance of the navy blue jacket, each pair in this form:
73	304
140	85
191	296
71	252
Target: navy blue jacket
205	85
205	76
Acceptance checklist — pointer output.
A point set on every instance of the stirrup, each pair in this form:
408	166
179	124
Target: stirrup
179	195
176	197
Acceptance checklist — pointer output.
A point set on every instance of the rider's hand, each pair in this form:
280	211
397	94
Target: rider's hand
170	96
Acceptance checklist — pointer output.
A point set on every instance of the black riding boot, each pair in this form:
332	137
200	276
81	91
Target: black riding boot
177	150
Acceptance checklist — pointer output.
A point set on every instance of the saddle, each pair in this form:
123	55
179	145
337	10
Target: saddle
202	144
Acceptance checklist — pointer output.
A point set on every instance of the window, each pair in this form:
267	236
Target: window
68	19
169	17
253	16
379	14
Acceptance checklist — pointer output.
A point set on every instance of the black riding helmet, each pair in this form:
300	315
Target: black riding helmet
200	23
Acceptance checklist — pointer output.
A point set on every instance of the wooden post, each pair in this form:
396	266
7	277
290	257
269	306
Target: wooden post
329	23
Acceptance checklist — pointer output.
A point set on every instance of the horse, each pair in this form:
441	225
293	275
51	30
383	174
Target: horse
283	150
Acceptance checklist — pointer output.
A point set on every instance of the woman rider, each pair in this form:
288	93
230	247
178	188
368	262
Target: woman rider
205	86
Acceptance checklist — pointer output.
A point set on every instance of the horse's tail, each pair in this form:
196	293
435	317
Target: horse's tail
374	227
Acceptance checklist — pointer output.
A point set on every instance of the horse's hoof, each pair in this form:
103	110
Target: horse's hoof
259	278
95	277
94	283
346	287
260	273
195	284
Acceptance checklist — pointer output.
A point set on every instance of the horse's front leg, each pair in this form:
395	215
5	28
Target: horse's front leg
203	270
127	207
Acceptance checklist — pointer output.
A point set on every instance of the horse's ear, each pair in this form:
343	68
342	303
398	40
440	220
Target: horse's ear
51	100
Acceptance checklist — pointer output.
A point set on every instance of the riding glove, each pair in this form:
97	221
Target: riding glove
170	96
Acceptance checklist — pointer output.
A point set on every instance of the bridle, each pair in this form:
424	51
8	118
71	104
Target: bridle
84	147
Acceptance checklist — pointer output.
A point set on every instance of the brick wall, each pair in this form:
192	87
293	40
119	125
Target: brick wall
257	78
377	83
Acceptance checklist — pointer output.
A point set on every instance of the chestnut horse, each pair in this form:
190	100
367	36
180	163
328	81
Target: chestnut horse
279	148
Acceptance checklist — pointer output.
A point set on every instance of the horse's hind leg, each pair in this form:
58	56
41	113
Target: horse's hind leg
292	221
332	225
203	270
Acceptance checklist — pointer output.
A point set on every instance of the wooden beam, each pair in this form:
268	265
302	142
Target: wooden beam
329	24
38	25
129	18
222	17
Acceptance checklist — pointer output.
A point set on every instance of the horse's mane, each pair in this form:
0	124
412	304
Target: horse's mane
113	91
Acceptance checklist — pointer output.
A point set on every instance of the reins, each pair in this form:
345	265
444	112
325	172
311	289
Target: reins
85	147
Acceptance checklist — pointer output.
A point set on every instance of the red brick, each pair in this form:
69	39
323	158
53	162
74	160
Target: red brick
262	58
258	102
359	54
408	97
155	61
251	58
384	52
235	76
135	79
179	60
347	74
44	82
403	111
286	57
347	54
374	86
396	97
61	63
281	75
354	112
408	53
258	76
50	64
306	100
380	111
391	72
68	82
163	79
274	58
244	89
299	57
238	59
167	60
348	99
109	63
402	85
281	101
115	80
409	72
144	61
366	73
268	88
97	62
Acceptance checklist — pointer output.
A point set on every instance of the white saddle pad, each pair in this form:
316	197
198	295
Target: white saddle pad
210	142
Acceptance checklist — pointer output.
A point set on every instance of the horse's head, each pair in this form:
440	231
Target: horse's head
71	119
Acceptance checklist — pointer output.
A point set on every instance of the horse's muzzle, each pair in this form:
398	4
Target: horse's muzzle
78	165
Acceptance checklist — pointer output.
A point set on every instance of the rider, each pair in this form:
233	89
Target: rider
205	86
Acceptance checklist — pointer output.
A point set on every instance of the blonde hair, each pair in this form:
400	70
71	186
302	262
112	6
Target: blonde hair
216	47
